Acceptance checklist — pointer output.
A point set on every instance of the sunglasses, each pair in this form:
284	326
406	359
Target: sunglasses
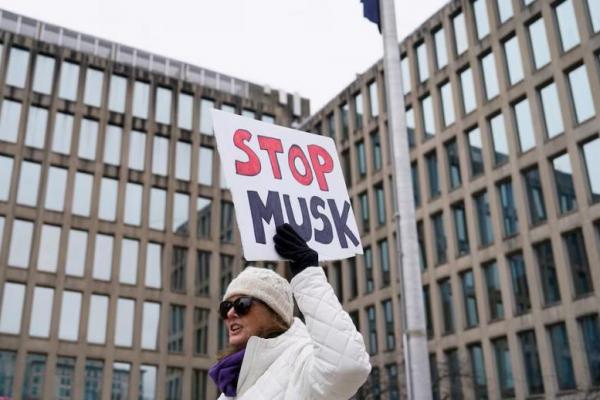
241	306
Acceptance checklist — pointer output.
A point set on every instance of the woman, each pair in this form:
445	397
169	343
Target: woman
277	356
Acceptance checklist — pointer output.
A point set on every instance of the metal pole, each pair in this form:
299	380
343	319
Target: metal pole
416	360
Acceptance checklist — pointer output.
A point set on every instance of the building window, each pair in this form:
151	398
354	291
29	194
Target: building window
447	103
414	170
153	265
594	11
202	279
591	150
97	317
41	312
76	253
20	244
44	74
353	278
478	370
460	228
6	168
29	183
524	125
510	219
331	125
494	292
93	87
372	322
503	367
201	331
178	269
48	251
552	110
520	287
55	188
102	257
581	94
17	67
185	106
35	374
368	263
199	384
388	312
63	131
475	151
150	324
227	217
133	204
484	219
69	81
37	120
505	10
12	308
561	351
441	53
107	205
535	196
547	269
428	315
432	174
93	379
376	148
469	299
163	101
358	111
453	164
421	243
176	328
137	147
454	374
490	76
380	200
563	180
363	199
392	377
226	272
514	63
141	98
181	219
437	221
117	93
9	120
461	42
205	166
578	262
147	382
183	160
112	145
422	61
447	309
158	203
567	25
435	377
124	320
362	159
120	380
531	361
206	125
88	137
384	261
160	155
406	81
590	331
539	43
428	117
344	110
373	99
481	18
468	90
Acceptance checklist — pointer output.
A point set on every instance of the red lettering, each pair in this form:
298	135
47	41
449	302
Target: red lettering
294	153
272	146
252	166
317	153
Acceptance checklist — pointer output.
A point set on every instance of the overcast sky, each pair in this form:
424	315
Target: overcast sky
313	47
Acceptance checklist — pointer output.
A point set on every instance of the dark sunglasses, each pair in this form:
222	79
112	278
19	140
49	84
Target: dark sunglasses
241	305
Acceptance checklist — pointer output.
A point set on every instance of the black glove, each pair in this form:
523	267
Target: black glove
291	246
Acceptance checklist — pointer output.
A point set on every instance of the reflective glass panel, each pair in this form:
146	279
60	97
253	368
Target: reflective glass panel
63	132
150	320
453	160
160	155
176	328
498	131
505	10
93	87
147	382
460	33
158	204
494	291
437	221
590	330
6	167
204	215
520	286
428	117
68	328
11	312
183	159
37	120
137	150
490	77
469	298
594	9
481	18
48	251
539	43
20	243
164	98
7	366
112	145
96	327
447	103
405	67
116	93
524	125
174	383
563	180
18	62
514	62
592	164
441	53
422	62
578	262
447	309
88	137
76	253
29	183
581	94
475	151
373	99
35	373
510	220
124	322
41	312
185	111
93	379
9	120
484	219
141	96
552	110
107	205
153	265
503	367
133	204
535	196
563	363
567	25
181	213
44	74
69	81
129	261
120	381
547	271
103	257
206	107
460	229
205	166
468	90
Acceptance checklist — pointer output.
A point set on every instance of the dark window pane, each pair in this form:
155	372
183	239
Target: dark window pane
535	196
371	318
227	217
520	287
176	328
432	172
561	351
478	370
503	367
416	186
454	374
178	269
35	373
201	331
446	298
453	164
7	372
376	148
388	313
547	269
531	360
510	220
494	292
460	228
384	262
93	379
203	273
469	299
590	330
362	159
368	263
428	315
484	219
578	262
563	179
440	238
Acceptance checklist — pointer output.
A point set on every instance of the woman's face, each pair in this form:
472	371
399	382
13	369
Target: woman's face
240	328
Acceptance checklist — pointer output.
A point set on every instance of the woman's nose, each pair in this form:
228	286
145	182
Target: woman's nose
231	313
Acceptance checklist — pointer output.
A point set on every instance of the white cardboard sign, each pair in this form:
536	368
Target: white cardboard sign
278	175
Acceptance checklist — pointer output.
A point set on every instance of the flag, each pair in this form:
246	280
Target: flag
371	11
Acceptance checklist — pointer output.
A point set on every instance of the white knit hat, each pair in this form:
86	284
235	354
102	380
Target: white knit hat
266	285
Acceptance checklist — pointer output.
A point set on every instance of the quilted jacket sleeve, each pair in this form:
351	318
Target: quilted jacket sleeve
339	363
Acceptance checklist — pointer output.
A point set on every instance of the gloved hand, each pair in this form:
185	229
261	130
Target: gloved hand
291	246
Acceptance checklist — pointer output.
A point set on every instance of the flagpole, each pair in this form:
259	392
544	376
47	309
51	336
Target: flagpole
414	336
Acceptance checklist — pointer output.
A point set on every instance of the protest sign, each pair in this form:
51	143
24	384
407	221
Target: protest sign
278	175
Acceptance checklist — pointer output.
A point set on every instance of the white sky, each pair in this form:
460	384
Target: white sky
313	47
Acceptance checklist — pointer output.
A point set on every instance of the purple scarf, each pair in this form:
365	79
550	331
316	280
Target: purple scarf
226	372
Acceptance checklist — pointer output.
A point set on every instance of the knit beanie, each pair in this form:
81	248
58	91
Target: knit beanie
265	285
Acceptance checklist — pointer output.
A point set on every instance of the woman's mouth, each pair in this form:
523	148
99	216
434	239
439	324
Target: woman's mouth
234	329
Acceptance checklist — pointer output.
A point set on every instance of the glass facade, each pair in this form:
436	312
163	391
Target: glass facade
520	285
581	94
547	270
552	110
531	362
490	76
524	123
567	25
494	291
539	43
469	299
564	184
561	351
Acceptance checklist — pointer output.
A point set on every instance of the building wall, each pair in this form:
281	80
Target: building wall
126	307
554	296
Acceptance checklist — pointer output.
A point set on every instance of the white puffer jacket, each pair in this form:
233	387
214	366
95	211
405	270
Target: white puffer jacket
322	360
